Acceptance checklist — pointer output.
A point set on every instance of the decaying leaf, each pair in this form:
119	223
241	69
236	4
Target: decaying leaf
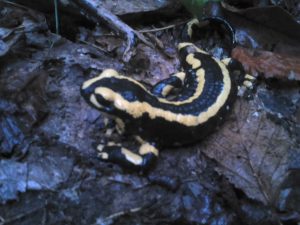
14	30
12	138
12	179
269	63
252	152
109	43
40	172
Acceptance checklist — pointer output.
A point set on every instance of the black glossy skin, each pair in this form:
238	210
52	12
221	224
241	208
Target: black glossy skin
160	131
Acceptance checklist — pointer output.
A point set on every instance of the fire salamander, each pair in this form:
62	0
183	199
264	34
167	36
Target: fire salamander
207	92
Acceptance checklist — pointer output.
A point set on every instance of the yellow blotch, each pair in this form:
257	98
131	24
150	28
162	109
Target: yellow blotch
120	125
111	143
190	25
166	90
139	139
105	73
109	73
248	84
180	75
186	44
194	62
226	61
249	77
183	45
106	93
132	157
94	101
147	148
103	155
100	148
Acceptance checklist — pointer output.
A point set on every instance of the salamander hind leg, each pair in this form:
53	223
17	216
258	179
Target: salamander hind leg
164	87
246	83
124	157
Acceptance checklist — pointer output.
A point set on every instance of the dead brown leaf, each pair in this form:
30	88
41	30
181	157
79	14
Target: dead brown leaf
252	152
269	63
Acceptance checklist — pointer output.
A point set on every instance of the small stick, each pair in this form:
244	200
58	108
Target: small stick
56	17
115	23
162	28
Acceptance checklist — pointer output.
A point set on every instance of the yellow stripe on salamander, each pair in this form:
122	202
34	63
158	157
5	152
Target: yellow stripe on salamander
132	157
194	62
185	44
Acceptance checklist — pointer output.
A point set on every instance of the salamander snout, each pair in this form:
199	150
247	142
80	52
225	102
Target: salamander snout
86	92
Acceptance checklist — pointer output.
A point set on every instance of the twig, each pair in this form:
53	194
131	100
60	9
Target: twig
56	17
93	45
15	4
115	23
19	216
2	220
162	28
118	214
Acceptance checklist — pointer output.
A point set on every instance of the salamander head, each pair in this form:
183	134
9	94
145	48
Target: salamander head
112	93
98	91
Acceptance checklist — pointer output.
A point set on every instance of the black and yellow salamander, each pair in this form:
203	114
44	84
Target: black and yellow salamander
207	92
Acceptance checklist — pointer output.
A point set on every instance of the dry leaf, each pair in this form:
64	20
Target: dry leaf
252	152
269	63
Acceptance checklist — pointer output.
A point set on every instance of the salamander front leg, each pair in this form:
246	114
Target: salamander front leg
142	160
164	87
